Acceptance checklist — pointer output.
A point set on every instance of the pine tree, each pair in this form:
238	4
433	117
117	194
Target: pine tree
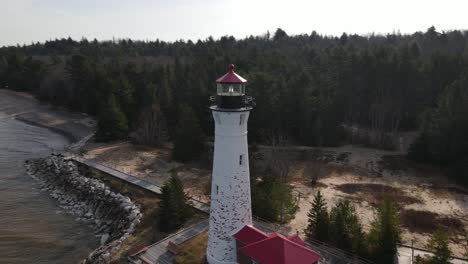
385	233
318	219
273	200
345	228
189	142
112	122
173	208
466	246
439	244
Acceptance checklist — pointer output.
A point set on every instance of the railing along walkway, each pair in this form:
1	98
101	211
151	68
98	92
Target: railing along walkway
157	252
201	206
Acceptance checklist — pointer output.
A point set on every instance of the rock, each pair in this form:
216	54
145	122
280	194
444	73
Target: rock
133	215
104	238
106	257
113	216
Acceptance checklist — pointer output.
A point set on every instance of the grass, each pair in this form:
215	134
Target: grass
394	163
193	251
377	193
429	222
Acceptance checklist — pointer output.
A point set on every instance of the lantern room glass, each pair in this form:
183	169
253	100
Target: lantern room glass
231	89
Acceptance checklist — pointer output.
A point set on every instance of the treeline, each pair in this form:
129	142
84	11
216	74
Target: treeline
307	87
444	136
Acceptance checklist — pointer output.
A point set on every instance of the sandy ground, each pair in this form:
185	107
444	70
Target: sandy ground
421	189
151	164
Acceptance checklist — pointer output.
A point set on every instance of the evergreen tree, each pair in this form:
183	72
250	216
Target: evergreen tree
189	142
443	140
313	85
346	229
273	200
385	233
173	208
112	123
318	219
439	245
466	246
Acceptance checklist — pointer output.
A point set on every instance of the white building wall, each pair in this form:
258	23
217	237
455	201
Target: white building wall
230	190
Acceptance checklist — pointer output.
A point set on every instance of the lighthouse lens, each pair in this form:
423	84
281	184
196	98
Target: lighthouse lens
230	89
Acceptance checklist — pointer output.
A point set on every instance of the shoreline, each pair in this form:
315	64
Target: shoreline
113	216
25	108
67	134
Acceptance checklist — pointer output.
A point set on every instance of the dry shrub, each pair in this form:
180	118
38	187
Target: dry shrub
429	222
193	250
377	193
314	171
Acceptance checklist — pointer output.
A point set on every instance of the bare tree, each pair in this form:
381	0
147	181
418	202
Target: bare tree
278	165
314	170
151	127
385	118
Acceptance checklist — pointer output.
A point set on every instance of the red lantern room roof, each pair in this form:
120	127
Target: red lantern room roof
231	77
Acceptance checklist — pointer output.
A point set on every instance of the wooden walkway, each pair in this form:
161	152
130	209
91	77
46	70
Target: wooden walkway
157	252
201	206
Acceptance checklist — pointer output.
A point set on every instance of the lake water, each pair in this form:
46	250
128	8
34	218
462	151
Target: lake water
32	227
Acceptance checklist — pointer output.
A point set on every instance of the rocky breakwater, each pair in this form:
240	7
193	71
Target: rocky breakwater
112	215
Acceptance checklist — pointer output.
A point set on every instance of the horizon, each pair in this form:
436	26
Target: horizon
272	33
29	21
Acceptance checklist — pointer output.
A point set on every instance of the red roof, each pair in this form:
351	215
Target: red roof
297	239
249	234
277	249
231	77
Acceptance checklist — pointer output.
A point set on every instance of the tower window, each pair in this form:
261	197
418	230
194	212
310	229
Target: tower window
241	120
241	159
217	189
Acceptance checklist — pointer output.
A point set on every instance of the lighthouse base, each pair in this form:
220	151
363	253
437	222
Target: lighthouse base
212	260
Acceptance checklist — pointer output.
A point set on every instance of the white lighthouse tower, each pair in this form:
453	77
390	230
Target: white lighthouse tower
230	186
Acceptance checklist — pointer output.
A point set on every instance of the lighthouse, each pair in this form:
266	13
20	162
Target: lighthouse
230	207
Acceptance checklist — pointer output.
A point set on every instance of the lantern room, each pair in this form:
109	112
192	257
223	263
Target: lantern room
230	90
231	84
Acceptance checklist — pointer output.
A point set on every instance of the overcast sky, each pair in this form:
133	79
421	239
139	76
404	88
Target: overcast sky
24	21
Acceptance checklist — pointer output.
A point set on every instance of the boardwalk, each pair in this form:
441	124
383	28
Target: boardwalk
204	207
157	253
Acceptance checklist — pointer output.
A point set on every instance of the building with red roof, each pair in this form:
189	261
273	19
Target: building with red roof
249	234
254	246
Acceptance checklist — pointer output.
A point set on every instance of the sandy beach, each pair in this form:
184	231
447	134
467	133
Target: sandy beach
24	107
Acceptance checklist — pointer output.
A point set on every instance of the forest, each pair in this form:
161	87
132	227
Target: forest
308	88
